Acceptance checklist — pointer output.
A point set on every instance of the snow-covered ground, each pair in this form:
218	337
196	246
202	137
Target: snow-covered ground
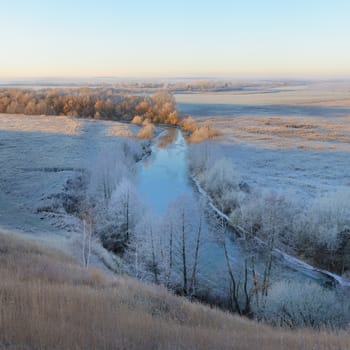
294	140
38	155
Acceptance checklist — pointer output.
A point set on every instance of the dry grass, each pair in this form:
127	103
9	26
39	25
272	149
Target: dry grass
48	302
286	132
330	94
203	133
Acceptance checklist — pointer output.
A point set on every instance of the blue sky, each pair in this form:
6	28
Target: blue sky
248	38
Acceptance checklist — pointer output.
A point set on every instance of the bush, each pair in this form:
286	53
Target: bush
221	181
205	132
189	124
137	120
294	305
147	132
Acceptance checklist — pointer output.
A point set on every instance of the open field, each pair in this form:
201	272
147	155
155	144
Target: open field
38	155
285	132
297	94
293	139
60	125
48	124
48	302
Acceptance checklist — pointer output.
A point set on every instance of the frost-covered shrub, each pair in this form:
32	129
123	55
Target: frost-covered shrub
268	215
327	222
137	120
201	157
329	216
118	219
189	125
204	132
295	304
221	181
216	174
147	132
111	166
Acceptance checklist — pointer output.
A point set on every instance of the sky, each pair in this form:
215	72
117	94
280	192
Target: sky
175	38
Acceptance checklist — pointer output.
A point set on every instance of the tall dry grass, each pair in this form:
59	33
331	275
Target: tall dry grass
49	302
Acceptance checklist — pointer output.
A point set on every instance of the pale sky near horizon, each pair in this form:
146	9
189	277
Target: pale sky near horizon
154	38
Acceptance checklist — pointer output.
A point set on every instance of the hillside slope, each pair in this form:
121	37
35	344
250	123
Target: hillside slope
47	301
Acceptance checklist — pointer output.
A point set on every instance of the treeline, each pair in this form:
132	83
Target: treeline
139	87
100	103
196	86
107	104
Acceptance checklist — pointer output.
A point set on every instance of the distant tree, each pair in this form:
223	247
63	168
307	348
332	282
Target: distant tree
137	120
147	132
99	103
189	124
202	133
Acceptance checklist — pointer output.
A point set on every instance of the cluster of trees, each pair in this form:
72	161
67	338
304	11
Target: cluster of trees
165	250
295	304
105	103
101	103
195	86
319	231
216	175
198	133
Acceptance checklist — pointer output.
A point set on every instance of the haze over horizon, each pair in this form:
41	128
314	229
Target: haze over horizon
250	39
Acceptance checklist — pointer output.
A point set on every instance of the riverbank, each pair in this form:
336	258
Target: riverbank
292	261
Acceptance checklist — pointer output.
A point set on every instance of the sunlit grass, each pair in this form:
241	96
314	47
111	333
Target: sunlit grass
49	302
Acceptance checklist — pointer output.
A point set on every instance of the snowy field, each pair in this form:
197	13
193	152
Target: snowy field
37	156
294	140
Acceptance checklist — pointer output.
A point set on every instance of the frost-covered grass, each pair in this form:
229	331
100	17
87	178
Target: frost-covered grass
314	94
41	160
285	132
293	138
48	302
46	124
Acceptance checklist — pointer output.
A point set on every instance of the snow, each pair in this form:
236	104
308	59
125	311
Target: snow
37	157
47	124
289	141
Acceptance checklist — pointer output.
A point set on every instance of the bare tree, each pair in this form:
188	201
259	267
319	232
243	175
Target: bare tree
87	235
185	238
125	208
